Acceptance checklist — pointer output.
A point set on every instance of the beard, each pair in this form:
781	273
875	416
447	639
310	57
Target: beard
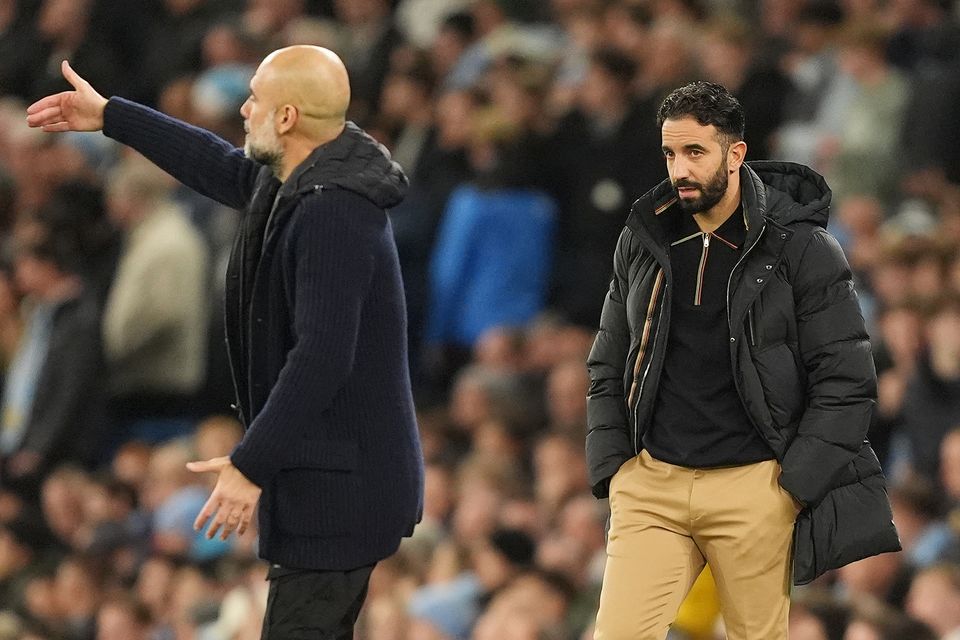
269	153
710	193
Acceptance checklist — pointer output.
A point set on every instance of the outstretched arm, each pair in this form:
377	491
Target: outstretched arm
196	157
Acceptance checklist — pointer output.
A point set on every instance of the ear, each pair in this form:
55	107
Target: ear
286	118
736	154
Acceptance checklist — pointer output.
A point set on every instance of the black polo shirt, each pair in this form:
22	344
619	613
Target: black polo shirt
698	419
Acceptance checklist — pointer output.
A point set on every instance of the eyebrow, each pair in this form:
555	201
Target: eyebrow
689	147
692	146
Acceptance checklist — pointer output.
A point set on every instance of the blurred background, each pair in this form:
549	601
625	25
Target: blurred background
527	128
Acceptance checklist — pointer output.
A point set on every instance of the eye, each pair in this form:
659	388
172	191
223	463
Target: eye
668	154
696	153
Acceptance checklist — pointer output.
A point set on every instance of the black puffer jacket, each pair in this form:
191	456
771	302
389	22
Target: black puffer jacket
798	348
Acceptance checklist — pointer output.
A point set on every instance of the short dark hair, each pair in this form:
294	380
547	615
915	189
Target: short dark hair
707	103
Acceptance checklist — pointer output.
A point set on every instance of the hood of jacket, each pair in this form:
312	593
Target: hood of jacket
353	161
788	192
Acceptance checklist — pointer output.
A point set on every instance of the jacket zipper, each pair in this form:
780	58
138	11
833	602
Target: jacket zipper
736	383
646	371
645	337
753	337
734	270
702	269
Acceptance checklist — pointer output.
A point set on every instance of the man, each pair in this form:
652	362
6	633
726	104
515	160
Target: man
731	388
934	598
155	317
51	411
315	324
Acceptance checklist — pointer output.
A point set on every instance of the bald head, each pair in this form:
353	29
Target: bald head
298	101
312	79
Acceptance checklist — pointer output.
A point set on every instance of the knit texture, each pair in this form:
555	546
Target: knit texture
317	332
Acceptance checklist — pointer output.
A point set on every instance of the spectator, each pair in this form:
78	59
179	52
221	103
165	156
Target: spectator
872	620
50	396
122	618
606	155
77	591
934	598
814	615
174	44
18	553
727	57
491	263
932	400
366	39
950	466
918	514
64	27
18	48
863	157
154	341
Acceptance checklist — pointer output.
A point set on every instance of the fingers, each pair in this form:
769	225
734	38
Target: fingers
56	128
72	76
229	518
47	116
211	506
46	103
233	523
206	466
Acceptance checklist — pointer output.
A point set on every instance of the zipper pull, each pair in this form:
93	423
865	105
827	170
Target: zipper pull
706	239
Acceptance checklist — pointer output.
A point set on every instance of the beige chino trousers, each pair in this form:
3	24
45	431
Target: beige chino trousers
667	521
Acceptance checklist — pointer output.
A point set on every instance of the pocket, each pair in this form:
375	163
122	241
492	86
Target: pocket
794	503
783	388
320	493
613	480
794	507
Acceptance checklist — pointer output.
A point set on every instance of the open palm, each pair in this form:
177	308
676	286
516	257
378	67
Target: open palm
77	110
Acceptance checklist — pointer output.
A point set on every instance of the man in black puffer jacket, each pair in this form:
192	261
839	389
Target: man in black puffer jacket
315	329
731	388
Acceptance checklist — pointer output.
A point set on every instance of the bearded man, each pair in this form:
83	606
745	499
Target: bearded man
731	388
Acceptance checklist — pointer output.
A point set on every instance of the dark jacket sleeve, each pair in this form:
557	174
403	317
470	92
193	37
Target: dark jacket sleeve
334	260
199	159
841	380
608	431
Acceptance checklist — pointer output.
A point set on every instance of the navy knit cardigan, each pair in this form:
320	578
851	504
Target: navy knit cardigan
316	329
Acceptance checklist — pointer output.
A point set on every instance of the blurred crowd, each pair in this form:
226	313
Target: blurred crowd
527	129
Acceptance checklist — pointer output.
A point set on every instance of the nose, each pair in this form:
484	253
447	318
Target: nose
678	168
245	109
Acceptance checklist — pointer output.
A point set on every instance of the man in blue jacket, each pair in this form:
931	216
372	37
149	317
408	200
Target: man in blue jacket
315	329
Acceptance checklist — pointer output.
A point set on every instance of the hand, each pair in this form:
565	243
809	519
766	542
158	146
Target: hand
78	110
232	501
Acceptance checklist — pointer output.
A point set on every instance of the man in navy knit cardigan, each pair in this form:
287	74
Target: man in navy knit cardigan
316	329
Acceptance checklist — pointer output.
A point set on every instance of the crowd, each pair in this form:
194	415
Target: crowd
527	129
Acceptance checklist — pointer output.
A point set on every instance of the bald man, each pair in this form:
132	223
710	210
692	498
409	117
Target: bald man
315	329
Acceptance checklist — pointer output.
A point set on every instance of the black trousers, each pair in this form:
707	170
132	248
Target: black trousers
314	605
